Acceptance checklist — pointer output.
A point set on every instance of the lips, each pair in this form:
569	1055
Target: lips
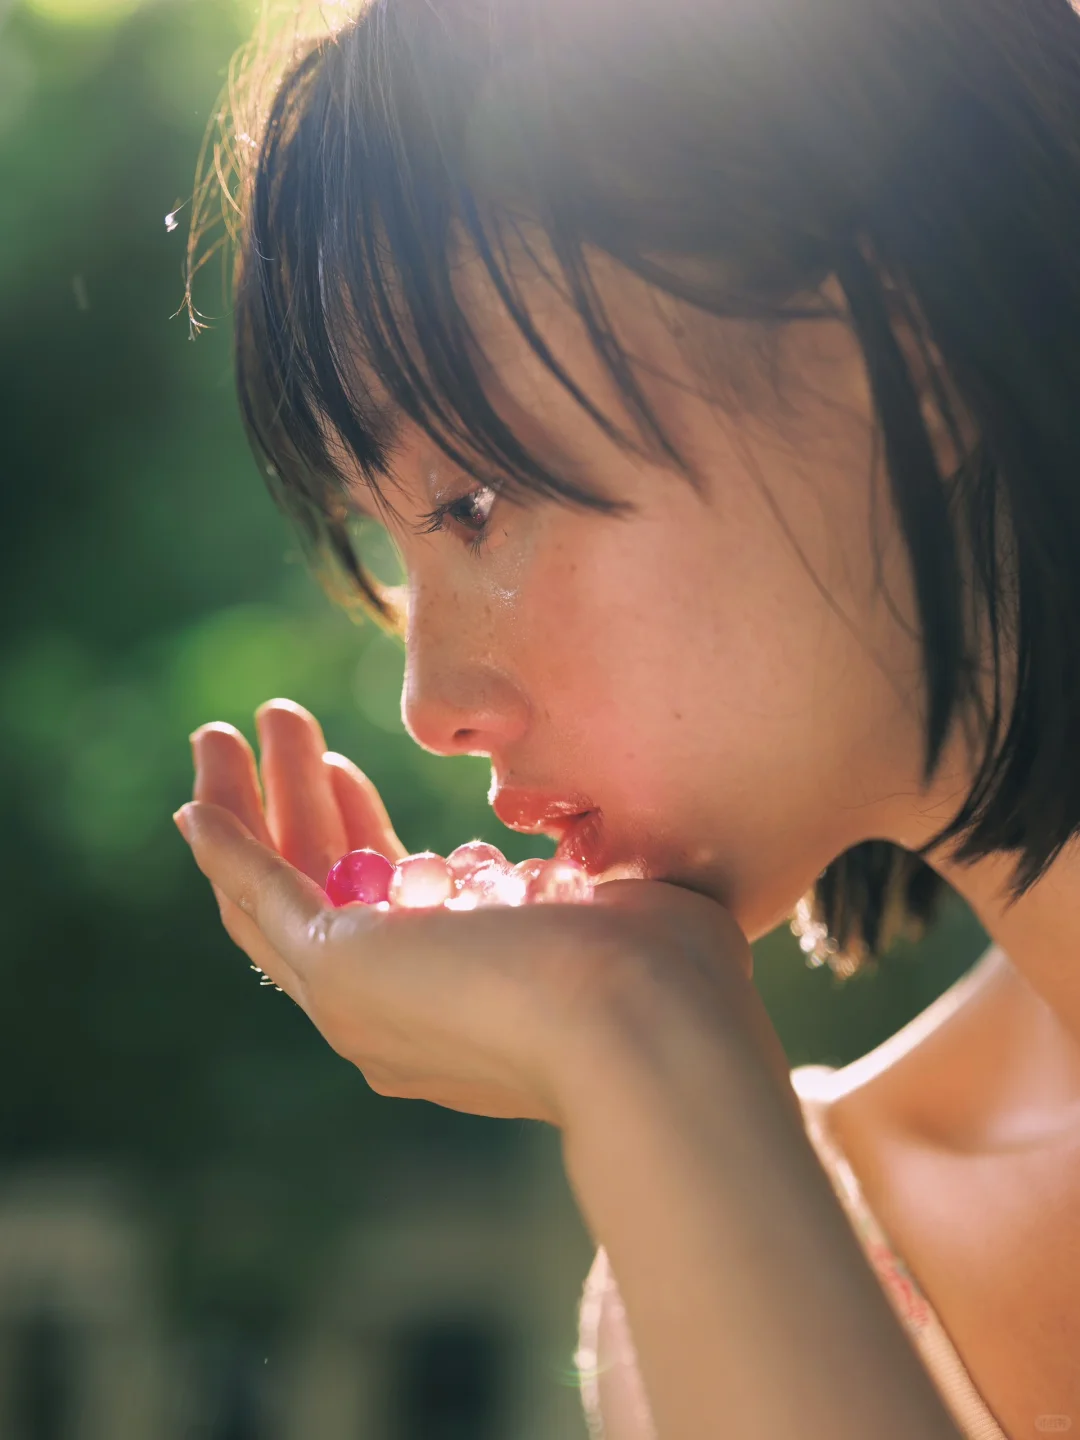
573	820
537	812
581	841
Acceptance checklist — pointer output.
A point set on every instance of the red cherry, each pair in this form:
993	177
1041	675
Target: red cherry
362	876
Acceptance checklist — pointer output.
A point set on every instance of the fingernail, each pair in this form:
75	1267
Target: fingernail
182	821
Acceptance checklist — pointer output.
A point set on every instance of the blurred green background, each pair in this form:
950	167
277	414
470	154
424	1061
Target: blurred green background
209	1226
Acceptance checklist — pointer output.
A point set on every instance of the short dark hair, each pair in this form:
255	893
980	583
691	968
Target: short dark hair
733	155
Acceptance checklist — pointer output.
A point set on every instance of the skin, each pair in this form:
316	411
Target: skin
732	674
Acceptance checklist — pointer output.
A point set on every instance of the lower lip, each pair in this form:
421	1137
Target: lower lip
581	842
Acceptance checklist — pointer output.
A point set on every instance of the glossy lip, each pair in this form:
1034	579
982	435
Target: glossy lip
537	812
573	820
582	841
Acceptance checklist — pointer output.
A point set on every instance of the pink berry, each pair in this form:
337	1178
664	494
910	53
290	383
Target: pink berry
360	877
494	885
559	882
421	881
465	899
513	889
529	869
478	887
468	858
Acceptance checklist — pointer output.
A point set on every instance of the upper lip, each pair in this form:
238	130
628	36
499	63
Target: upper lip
538	812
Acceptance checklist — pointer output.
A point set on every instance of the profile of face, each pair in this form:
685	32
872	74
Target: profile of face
730	671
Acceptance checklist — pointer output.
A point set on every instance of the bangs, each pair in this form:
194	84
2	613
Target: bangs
355	223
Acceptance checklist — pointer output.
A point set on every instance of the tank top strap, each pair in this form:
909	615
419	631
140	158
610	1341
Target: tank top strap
815	1086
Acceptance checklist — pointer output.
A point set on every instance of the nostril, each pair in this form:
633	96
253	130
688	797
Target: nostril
470	742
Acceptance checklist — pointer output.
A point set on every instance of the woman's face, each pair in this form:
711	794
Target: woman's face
731	676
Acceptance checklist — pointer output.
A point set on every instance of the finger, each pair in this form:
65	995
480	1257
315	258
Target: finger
245	934
289	909
367	825
226	775
301	809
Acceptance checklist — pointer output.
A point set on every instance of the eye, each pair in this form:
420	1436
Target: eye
472	511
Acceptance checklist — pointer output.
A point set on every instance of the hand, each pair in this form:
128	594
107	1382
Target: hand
498	1011
318	804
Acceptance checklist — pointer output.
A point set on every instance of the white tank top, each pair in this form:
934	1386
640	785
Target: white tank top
616	1406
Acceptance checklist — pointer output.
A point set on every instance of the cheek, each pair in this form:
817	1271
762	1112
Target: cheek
698	666
634	631
684	621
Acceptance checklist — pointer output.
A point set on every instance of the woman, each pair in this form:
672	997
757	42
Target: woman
714	368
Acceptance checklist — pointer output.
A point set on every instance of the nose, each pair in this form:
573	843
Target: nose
452	711
457	702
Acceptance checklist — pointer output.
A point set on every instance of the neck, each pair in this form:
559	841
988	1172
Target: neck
1039	933
1014	1046
1005	1069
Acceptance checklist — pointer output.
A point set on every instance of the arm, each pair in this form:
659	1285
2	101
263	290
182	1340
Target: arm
633	1025
754	1312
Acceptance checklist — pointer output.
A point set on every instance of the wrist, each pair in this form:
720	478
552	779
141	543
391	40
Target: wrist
650	1016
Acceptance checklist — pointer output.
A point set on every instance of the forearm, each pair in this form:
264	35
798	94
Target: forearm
753	1310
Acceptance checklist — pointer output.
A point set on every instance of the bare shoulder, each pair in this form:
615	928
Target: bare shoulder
889	1084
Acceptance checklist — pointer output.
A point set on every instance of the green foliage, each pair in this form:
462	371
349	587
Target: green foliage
149	586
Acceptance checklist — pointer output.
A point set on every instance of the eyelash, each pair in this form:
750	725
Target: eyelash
436	517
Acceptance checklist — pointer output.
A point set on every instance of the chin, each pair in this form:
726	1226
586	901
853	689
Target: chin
758	910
